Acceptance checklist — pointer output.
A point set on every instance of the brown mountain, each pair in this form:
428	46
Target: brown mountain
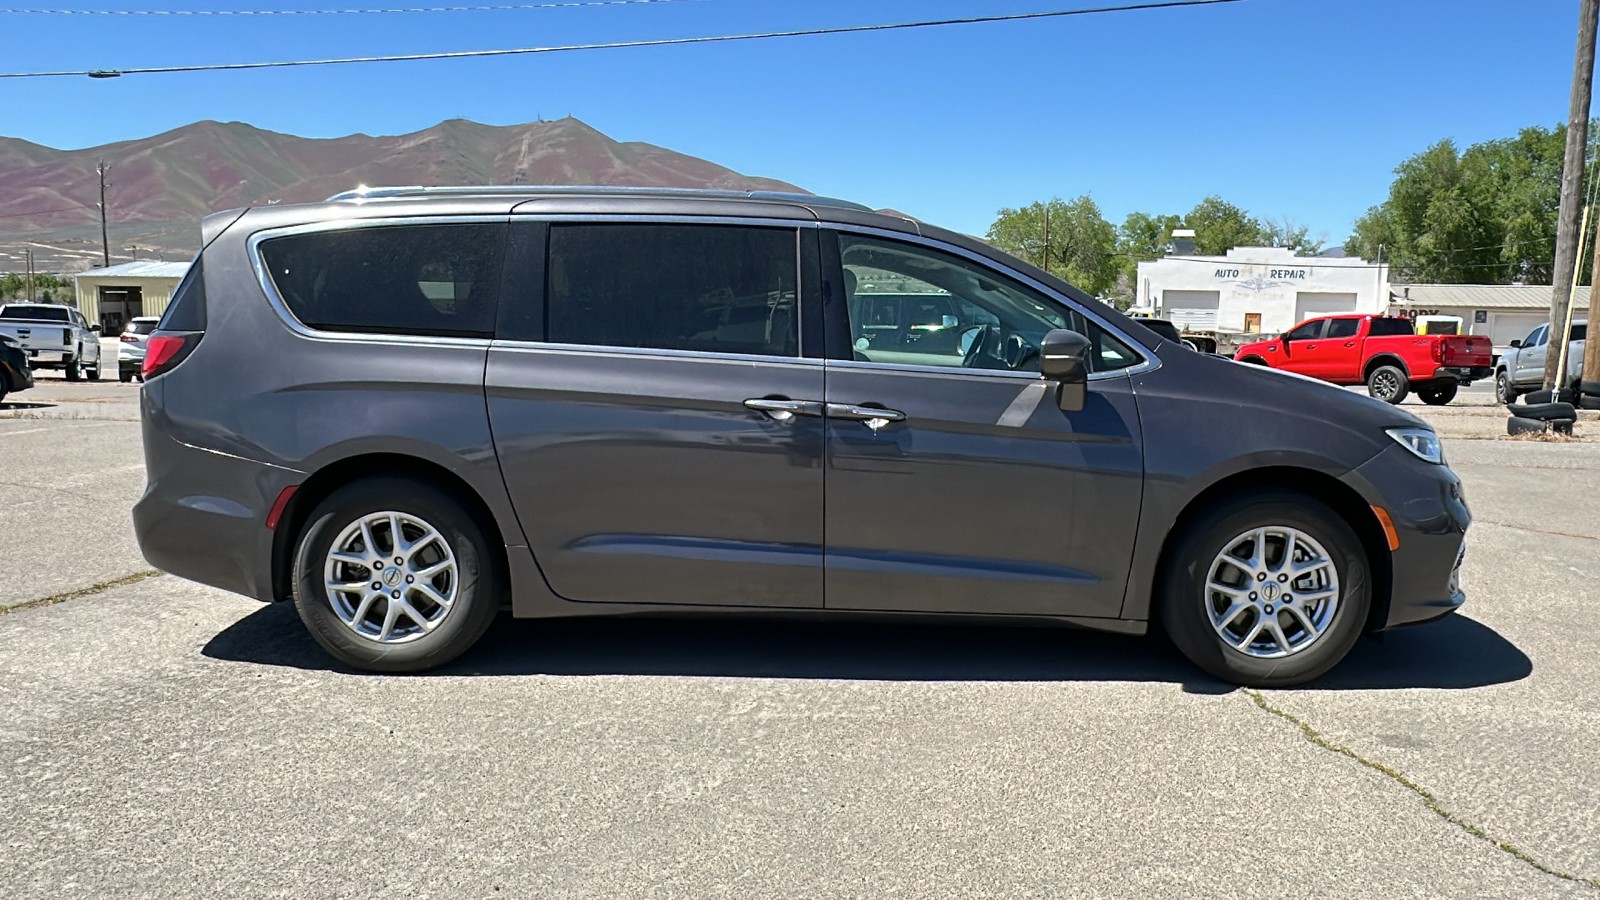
188	172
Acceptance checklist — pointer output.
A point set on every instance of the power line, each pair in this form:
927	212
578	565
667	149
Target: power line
617	45
507	7
40	212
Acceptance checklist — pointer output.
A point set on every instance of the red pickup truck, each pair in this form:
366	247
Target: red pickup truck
1383	352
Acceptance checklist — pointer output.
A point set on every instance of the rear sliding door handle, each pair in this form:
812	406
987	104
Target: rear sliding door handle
784	410
873	417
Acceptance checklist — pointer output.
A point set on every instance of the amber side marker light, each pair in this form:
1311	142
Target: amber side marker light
1388	527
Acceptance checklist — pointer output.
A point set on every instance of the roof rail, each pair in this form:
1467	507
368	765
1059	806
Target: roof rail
372	193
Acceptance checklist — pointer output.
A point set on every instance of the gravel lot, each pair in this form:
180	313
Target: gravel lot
165	739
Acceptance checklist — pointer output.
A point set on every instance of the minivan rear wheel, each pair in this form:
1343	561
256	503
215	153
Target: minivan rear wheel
1267	589
392	575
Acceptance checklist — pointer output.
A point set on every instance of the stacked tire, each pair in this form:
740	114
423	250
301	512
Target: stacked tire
1545	411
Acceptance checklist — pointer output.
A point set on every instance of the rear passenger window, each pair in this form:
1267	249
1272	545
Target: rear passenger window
1343	328
707	288
402	279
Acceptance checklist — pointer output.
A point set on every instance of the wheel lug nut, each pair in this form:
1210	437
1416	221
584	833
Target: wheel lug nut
1269	607
1252	594
1261	576
1280	577
377	585
395	595
409	579
1288	598
397	560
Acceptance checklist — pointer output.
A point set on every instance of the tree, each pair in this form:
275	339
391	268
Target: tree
1484	215
1219	226
1068	238
1285	232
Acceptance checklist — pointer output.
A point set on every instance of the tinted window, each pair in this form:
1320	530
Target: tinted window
1343	328
141	326
37	313
709	288
1389	327
1308	331
187	309
1578	332
404	279
914	305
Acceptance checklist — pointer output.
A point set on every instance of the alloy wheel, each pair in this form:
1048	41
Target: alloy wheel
1271	592
1385	385
391	577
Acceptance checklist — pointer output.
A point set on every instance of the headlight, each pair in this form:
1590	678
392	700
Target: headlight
1421	441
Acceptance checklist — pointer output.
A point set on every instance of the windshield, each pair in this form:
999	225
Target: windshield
37	313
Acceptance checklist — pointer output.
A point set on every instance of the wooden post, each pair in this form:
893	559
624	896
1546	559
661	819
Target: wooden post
1572	167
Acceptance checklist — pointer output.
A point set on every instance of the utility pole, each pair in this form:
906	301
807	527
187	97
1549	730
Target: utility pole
105	244
1590	368
1572	167
1045	265
27	257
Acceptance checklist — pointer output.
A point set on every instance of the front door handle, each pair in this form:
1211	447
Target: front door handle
873	417
782	410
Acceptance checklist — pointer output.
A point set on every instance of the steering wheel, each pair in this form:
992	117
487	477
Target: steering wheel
979	345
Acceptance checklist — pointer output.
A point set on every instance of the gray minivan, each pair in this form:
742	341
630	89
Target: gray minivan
405	409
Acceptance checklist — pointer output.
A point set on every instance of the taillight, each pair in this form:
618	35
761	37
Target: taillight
1438	351
163	352
66	335
128	338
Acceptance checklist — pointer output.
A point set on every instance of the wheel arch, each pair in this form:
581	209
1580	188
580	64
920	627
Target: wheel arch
339	473
1335	494
1384	359
1254	360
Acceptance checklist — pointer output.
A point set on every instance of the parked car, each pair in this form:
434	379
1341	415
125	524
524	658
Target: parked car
15	374
624	401
1382	352
131	345
54	336
1521	369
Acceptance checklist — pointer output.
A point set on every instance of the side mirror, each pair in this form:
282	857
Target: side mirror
95	328
1515	343
1064	359
948	321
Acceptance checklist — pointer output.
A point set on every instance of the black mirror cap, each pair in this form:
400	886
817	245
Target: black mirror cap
95	328
1516	343
1064	356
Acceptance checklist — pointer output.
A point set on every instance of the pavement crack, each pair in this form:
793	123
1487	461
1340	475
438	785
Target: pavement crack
1428	799
1566	534
89	591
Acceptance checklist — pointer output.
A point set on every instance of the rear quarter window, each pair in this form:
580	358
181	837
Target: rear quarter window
187	310
438	280
1391	328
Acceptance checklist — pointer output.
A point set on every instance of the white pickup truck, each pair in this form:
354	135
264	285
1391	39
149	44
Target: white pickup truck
54	337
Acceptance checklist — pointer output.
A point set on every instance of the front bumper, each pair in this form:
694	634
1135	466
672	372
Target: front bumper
1430	516
1463	374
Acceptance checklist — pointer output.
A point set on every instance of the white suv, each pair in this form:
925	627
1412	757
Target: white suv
130	347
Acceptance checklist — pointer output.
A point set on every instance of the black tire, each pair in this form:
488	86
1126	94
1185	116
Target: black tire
1589	388
1545	395
1562	426
1438	393
478	592
1389	384
1544	412
1504	391
1589	401
94	373
73	369
1518	425
124	375
1183	600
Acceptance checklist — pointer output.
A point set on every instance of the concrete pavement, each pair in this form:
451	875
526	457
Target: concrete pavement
165	739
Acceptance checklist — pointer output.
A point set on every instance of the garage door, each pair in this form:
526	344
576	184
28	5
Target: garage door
1507	327
1310	304
1192	310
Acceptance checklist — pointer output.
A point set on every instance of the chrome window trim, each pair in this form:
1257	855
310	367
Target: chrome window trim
555	218
276	301
912	368
1150	363
515	346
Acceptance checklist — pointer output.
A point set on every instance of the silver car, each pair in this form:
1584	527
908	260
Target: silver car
130	347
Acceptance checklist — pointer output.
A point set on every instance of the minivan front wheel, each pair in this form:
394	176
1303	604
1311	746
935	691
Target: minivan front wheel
392	575
1268	589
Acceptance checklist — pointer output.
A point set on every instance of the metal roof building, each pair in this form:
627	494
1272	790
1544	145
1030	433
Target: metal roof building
114	295
1504	312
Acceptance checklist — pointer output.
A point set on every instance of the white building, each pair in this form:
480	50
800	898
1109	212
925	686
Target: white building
1264	290
1503	312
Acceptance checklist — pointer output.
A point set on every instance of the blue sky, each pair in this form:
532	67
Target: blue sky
1298	108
